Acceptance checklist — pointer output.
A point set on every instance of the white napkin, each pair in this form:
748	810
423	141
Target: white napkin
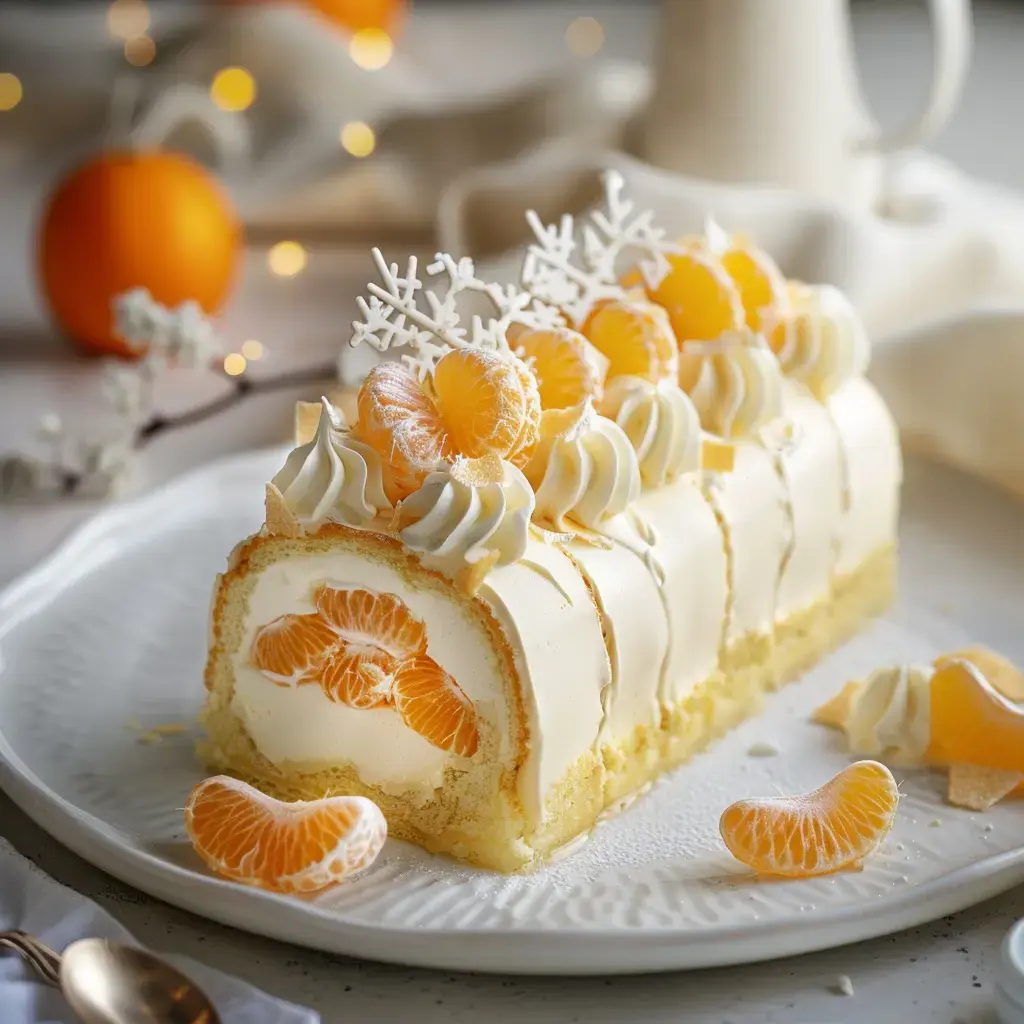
939	280
34	902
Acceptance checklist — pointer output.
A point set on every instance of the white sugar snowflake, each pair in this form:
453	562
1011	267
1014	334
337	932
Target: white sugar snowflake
401	313
575	276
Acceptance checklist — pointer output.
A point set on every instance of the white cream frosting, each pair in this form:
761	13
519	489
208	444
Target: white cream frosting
459	522
890	714
811	464
825	342
874	472
740	387
584	476
332	477
661	423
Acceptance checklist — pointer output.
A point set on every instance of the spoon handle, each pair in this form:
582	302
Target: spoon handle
43	960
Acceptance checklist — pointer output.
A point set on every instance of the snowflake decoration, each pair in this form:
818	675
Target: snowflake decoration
394	316
575	277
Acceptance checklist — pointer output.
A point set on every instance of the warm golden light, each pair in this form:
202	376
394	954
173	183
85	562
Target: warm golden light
234	364
252	350
233	89
371	48
358	139
286	259
10	91
127	19
584	37
139	51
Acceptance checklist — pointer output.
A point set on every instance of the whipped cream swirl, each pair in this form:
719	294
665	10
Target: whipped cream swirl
889	713
469	518
824	342
740	387
584	475
333	477
662	425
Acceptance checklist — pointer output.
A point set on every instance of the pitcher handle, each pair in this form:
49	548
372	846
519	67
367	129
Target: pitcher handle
184	102
952	33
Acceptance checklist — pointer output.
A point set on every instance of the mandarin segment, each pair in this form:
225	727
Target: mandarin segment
634	339
761	285
401	422
567	367
358	675
248	837
291	649
529	429
434	705
481	398
832	828
366	617
971	722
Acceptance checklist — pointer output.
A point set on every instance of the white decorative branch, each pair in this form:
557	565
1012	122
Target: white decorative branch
393	316
575	277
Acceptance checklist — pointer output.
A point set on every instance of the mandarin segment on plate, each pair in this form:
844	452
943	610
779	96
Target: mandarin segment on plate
832	828
248	837
291	649
567	367
401	422
434	705
367	617
971	722
634	339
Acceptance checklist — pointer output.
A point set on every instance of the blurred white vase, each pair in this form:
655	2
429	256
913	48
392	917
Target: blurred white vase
765	92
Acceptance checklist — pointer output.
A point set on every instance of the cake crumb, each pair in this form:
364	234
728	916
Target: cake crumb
149	738
935	823
170	729
762	748
844	985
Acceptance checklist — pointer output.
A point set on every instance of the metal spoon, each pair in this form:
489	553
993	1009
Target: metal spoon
108	983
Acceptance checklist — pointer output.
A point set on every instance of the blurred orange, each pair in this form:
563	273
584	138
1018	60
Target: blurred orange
150	219
359	14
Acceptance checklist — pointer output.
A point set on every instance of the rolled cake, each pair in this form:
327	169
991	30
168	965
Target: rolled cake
496	615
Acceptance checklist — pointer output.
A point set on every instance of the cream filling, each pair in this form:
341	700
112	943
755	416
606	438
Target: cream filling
811	466
300	727
550	620
874	472
753	502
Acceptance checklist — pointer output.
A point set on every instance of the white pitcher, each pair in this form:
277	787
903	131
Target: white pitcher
765	92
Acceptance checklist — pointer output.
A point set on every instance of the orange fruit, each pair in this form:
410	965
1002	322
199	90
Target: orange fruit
251	838
401	422
567	367
354	15
634	339
291	649
358	675
432	703
971	722
124	220
834	827
483	401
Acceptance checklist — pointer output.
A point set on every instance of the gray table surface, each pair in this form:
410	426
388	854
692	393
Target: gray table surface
939	973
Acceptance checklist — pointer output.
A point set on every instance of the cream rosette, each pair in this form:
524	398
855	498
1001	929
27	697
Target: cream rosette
739	390
584	470
820	339
332	477
470	517
662	425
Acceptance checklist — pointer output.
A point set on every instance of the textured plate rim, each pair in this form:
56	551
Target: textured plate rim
562	951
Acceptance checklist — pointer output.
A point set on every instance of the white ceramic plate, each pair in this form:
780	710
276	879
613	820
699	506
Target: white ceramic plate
112	629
